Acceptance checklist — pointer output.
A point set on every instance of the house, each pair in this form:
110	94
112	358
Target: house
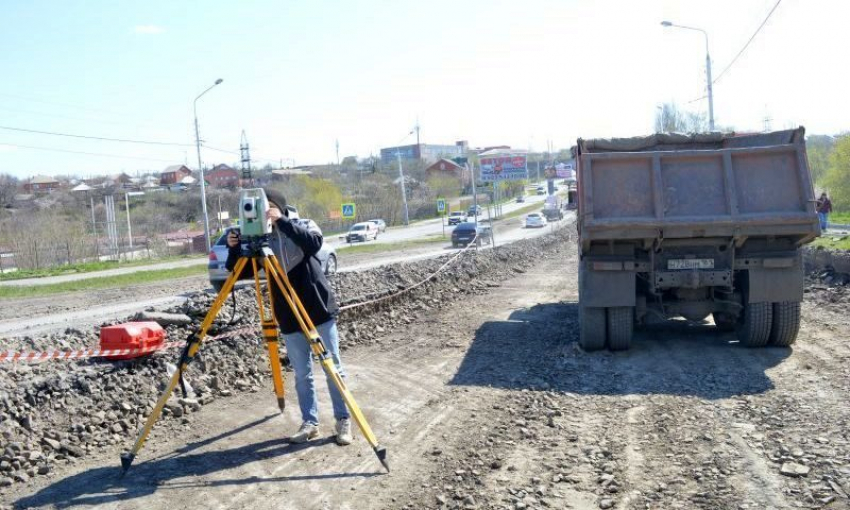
41	184
173	175
448	168
222	176
284	174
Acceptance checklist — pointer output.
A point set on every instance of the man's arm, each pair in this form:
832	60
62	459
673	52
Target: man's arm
310	242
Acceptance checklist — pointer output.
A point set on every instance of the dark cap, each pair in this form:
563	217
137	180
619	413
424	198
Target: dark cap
276	198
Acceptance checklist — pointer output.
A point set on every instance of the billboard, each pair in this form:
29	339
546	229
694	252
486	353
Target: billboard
504	167
566	170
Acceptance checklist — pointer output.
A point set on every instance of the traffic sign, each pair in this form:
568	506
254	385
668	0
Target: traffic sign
441	206
348	210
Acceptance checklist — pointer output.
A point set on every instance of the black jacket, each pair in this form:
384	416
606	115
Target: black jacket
307	278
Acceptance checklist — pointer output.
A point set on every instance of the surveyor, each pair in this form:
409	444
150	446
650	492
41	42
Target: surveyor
295	246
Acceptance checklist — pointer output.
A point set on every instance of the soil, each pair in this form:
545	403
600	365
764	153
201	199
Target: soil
484	400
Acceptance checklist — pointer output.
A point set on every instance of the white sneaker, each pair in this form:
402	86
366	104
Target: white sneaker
343	432
307	432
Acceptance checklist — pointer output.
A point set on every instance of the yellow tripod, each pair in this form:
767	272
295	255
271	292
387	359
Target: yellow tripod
258	251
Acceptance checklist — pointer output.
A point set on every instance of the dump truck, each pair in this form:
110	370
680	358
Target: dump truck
692	226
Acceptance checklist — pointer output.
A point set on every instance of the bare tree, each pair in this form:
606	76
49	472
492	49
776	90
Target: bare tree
8	189
669	118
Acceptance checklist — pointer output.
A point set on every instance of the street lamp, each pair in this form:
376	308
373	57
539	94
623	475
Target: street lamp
403	187
201	165
668	24
127	196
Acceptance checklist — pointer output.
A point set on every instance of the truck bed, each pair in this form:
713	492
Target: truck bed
684	186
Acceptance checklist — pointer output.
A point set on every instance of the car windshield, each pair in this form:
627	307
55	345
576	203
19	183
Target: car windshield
457	213
466	226
358	227
533	216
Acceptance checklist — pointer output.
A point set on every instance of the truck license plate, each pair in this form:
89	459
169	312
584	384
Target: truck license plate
690	264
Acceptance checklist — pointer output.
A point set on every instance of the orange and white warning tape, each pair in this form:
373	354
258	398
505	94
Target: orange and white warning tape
39	357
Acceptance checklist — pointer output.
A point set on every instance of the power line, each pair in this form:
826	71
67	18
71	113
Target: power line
51	149
769	14
748	42
100	138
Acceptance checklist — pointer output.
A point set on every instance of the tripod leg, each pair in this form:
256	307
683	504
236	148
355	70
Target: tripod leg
274	272
189	354
271	334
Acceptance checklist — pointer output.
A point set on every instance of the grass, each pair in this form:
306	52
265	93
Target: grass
382	247
522	210
832	242
124	280
85	267
840	217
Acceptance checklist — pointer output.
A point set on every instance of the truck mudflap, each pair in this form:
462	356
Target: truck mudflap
775	285
606	288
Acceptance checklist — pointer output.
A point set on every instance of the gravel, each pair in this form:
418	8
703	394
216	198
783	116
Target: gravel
56	413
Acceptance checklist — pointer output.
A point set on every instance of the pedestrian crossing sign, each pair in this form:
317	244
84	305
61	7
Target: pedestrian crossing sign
348	210
441	206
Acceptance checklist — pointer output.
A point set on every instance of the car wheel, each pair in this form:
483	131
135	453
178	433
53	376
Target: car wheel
330	265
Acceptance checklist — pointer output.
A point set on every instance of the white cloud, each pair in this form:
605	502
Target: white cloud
148	29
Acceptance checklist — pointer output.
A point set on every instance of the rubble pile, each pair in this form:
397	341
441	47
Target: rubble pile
58	412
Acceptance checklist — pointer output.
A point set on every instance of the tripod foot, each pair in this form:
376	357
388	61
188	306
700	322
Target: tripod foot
381	452
281	403
126	461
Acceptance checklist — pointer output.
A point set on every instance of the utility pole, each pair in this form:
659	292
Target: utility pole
245	154
337	155
709	85
201	166
403	187
417	131
471	170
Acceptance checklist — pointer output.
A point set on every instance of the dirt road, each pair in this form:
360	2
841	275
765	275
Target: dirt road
491	404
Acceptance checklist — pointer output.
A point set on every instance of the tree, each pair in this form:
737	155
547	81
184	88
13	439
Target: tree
8	188
670	119
836	181
819	148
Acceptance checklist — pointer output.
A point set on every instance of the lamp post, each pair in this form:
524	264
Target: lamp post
707	70
201	165
127	204
403	187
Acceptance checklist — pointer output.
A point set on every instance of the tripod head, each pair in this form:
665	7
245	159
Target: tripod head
255	246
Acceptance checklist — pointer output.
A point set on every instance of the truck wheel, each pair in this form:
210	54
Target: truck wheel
786	323
621	321
724	321
591	328
754	328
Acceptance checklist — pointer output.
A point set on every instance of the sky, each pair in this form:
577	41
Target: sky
300	75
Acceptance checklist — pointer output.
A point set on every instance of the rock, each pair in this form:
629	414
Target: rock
164	319
794	470
5	481
43	470
441	500
606	503
52	443
74	450
469	500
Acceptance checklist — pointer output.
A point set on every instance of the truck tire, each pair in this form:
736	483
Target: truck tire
591	328
724	321
754	328
621	322
786	323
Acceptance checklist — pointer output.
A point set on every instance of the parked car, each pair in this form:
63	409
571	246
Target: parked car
362	232
457	217
535	220
218	257
381	224
465	233
474	210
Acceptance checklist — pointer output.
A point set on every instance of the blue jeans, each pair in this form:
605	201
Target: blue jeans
823	220
301	356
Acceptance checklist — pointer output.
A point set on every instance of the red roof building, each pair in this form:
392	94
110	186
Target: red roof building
222	176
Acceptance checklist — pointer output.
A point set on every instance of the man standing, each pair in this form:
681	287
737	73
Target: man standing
295	247
824	207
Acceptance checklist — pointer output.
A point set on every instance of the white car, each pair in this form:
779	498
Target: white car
535	220
362	232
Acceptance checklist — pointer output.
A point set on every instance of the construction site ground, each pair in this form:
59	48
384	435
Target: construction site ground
489	403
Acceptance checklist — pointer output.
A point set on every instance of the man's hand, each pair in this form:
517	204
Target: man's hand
274	214
233	239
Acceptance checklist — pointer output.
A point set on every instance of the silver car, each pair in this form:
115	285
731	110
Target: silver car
218	257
